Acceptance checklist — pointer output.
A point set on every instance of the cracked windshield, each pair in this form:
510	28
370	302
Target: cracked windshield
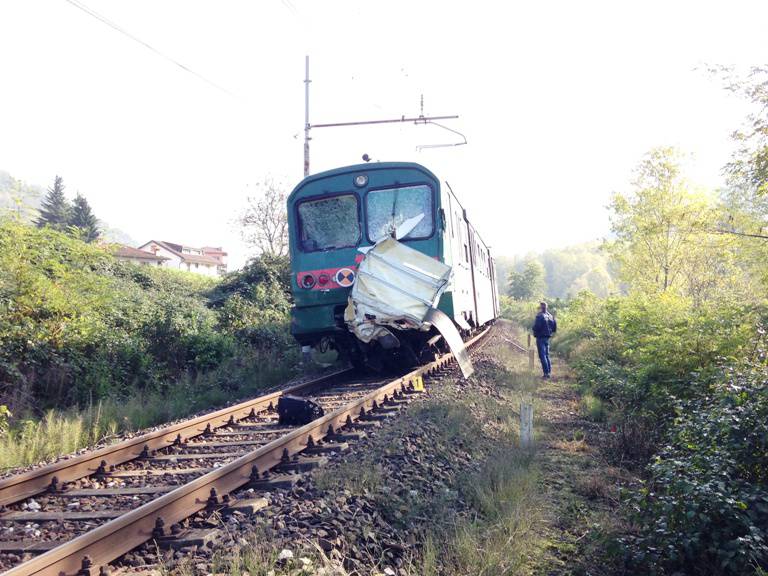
387	209
329	223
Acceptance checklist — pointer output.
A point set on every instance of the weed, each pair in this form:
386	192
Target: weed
365	478
592	408
593	487
498	538
573	445
260	556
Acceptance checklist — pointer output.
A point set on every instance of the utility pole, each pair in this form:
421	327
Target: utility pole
420	119
306	116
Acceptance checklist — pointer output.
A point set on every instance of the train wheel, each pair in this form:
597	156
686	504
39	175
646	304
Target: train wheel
357	360
353	354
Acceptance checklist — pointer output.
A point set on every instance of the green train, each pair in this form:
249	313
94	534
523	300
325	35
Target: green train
333	214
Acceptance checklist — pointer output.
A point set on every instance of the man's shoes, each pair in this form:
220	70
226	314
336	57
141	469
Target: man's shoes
546	377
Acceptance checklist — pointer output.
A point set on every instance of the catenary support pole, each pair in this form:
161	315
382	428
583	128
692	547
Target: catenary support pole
420	119
306	116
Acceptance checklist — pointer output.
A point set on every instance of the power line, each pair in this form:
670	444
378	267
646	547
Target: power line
289	5
79	5
736	233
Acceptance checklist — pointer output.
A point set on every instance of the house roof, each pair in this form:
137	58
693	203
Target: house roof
196	259
171	245
177	249
129	252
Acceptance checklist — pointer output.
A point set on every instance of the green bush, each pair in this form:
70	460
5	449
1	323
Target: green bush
644	352
76	325
254	304
705	508
662	365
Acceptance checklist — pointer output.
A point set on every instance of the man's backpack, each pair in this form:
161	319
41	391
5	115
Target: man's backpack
551	326
296	411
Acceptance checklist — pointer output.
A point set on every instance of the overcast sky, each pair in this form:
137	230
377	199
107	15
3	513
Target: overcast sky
558	100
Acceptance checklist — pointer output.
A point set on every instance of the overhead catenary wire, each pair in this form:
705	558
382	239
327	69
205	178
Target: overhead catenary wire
737	233
80	6
421	147
289	5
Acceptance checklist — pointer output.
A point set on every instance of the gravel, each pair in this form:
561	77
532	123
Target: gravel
360	514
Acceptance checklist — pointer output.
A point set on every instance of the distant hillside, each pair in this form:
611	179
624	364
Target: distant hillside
19	196
567	271
24	199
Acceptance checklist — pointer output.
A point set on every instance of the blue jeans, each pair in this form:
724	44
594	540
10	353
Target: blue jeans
542	344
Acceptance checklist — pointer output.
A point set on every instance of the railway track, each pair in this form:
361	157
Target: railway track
78	515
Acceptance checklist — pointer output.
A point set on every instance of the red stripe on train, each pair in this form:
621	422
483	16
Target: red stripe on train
324	278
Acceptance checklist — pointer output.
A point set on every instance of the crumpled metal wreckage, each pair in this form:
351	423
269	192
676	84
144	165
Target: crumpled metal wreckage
398	288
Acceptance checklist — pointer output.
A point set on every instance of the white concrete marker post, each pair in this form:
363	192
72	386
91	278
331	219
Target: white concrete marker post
526	423
526	405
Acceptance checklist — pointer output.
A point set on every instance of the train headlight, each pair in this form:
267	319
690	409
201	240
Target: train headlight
361	180
323	279
307	281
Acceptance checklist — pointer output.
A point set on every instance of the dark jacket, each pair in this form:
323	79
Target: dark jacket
545	325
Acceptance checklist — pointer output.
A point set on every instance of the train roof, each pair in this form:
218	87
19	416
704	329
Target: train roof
371	166
368	167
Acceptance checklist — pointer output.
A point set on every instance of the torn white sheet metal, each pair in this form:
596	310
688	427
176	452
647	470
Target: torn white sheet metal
395	286
398	287
445	326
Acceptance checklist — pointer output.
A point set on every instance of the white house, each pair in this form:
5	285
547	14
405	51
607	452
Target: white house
129	254
208	261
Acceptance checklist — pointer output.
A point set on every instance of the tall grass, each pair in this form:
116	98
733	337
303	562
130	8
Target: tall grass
500	539
31	440
56	433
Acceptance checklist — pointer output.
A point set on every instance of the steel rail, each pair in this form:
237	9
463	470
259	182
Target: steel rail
85	554
26	484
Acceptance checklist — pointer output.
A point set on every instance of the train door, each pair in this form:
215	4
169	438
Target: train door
473	268
449	244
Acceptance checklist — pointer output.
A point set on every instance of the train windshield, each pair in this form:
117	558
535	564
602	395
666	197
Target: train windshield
329	223
388	209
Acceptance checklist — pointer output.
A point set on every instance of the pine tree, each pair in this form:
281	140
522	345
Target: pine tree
55	209
84	220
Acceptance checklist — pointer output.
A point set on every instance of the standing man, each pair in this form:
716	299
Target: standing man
543	328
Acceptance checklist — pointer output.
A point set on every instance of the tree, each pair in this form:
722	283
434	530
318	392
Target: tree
55	209
527	283
749	166
265	220
665	232
83	219
572	269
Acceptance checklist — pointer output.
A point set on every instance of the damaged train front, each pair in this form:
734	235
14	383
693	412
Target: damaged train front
367	267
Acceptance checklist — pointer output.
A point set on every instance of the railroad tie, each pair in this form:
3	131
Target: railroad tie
60	516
